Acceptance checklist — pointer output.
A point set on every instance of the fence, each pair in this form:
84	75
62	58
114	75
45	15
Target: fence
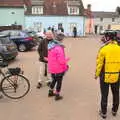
12	27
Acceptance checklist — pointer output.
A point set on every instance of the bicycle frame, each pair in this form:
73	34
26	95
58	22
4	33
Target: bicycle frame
12	83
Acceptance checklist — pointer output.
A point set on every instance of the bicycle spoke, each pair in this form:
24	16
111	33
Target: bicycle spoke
15	86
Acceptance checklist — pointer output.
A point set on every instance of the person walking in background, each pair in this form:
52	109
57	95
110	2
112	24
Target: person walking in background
43	52
57	65
108	69
52	29
74	32
61	29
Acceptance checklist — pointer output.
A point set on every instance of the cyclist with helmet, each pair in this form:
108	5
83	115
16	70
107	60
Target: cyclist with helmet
108	69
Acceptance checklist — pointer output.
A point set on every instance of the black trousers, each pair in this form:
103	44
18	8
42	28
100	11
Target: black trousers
104	94
57	80
75	34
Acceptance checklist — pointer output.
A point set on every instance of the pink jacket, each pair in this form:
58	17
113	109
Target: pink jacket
57	62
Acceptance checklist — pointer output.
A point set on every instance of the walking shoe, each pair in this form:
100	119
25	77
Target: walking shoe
102	115
39	85
114	113
51	93
58	97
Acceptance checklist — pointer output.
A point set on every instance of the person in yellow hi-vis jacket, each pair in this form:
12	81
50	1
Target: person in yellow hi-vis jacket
108	69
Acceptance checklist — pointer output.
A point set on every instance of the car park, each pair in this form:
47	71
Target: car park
8	49
23	40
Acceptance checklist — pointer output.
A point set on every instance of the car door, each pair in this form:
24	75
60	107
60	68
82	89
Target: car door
16	37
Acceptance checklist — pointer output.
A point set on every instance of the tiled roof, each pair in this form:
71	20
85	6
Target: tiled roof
104	14
55	7
14	3
37	2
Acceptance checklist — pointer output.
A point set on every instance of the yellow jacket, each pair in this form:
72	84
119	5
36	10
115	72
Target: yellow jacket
109	57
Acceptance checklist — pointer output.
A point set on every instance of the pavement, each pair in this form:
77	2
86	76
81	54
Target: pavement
80	90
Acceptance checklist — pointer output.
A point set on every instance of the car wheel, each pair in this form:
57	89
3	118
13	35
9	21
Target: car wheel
1	59
22	48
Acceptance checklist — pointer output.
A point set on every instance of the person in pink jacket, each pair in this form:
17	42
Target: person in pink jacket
57	65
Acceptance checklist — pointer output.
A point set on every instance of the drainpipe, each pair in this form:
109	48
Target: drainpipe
83	25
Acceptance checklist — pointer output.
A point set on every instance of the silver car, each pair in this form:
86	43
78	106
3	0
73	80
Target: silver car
8	49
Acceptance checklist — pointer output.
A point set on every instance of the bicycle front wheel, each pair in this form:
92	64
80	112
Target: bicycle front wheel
15	86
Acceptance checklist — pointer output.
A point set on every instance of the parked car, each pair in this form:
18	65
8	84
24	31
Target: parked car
33	34
8	49
118	34
107	31
41	35
21	39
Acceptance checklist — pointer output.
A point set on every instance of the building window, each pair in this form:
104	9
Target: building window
25	7
109	27
72	25
37	10
101	28
37	26
73	10
101	19
113	19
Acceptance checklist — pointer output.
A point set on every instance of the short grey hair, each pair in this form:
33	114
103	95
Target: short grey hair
60	36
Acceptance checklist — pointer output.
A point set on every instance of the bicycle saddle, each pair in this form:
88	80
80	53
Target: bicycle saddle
14	71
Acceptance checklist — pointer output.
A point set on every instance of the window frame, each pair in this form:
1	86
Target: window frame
113	19
73	10
37	10
101	19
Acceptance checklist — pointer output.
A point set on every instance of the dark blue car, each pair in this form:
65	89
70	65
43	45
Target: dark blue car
23	41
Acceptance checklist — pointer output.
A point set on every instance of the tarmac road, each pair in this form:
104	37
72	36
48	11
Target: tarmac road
80	90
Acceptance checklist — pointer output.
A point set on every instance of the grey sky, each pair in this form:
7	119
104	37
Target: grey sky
102	5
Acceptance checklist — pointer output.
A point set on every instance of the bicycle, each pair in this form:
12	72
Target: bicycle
14	84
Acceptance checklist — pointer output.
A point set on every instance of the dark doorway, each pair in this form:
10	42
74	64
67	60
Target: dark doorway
96	29
60	27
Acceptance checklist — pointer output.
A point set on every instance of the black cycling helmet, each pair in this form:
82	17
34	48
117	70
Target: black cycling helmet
112	35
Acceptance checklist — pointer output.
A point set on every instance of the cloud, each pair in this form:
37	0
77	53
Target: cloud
102	5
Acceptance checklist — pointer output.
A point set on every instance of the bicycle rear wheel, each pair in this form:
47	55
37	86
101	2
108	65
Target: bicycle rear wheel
15	86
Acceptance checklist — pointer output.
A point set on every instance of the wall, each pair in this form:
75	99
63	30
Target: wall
43	22
10	16
89	26
115	27
105	23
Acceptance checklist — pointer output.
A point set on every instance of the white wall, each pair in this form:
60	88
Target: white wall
105	22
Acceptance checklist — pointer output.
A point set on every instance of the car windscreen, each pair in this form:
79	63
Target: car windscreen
5	40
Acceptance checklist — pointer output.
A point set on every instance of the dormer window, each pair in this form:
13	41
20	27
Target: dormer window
73	10
37	10
25	7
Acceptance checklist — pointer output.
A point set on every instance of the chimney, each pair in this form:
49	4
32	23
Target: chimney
89	7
